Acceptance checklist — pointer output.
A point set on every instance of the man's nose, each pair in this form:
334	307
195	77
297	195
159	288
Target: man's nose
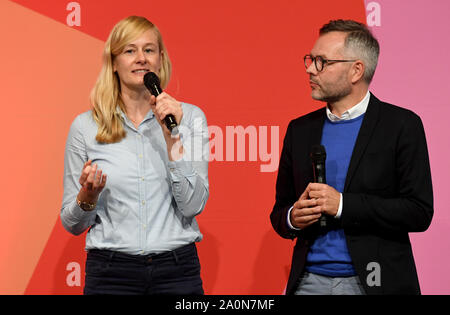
311	69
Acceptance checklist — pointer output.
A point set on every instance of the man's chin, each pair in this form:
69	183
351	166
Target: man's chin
316	96
325	98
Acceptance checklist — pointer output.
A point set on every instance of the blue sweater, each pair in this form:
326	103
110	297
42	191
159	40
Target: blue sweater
328	254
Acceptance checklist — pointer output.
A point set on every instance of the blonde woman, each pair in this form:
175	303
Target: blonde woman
126	179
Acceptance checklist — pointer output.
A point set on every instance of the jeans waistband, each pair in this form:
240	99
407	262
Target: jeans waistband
110	255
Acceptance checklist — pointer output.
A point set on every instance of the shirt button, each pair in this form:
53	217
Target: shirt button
143	202
140	156
142	178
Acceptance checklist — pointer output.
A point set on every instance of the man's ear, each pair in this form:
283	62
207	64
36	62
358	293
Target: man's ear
357	71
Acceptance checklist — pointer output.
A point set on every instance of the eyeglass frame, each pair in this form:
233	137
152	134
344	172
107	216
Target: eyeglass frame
324	61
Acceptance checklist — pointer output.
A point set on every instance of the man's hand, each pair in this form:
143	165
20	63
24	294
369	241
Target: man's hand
326	197
305	212
316	200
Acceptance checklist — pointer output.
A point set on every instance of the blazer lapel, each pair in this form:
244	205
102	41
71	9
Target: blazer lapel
367	128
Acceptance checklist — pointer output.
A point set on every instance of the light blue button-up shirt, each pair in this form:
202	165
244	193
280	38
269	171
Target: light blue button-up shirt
149	203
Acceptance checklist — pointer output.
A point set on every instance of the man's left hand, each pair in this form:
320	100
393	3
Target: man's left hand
327	197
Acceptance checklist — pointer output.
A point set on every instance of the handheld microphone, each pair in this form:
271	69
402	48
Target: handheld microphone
318	157
151	82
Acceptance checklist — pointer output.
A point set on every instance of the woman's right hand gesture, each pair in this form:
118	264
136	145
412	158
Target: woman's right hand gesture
92	183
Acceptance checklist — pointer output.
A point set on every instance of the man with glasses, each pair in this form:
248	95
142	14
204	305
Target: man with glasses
378	177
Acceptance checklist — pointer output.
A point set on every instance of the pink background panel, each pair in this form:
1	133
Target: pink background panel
413	72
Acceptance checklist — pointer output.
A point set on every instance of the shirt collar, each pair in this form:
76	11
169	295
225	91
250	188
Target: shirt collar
353	112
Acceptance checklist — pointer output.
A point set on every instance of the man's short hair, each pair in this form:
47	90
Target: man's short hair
359	41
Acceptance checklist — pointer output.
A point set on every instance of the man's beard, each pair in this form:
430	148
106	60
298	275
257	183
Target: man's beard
334	95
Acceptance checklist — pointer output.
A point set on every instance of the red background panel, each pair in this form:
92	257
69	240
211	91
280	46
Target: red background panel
240	61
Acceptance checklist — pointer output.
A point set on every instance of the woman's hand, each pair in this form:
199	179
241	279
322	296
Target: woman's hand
92	183
164	105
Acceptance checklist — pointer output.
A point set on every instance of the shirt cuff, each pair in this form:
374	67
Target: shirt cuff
180	169
79	214
289	220
338	214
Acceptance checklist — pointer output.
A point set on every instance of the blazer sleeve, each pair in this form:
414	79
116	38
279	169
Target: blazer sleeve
410	209
285	195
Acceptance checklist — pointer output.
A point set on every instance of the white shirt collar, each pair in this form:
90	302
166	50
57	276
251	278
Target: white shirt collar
353	112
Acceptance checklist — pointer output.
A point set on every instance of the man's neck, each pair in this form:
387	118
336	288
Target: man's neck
344	104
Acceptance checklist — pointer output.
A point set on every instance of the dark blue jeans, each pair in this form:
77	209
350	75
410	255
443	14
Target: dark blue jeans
171	273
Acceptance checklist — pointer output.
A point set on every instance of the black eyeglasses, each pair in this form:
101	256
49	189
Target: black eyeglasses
320	62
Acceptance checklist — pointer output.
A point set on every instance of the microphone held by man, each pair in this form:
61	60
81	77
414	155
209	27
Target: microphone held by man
318	157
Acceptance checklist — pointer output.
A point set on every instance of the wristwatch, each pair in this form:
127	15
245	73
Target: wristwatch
86	206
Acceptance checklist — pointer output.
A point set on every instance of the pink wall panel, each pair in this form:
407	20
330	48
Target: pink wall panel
413	72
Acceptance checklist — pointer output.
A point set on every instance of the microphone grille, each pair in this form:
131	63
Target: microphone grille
151	77
151	82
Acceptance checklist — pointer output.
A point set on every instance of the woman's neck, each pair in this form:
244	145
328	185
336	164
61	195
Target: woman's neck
137	104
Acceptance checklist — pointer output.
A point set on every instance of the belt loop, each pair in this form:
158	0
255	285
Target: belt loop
175	256
110	259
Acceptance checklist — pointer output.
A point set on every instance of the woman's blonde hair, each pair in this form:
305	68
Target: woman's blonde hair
106	94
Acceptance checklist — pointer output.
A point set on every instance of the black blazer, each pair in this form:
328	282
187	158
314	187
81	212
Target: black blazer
387	194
